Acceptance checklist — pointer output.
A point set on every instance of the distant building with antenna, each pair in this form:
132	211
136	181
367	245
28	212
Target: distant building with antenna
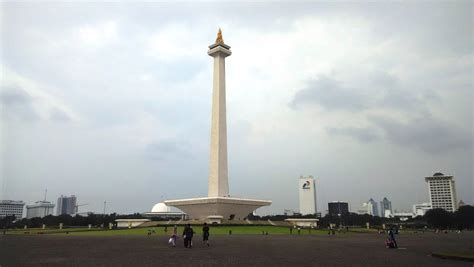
40	209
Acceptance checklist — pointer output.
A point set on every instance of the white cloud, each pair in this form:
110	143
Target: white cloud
97	35
172	42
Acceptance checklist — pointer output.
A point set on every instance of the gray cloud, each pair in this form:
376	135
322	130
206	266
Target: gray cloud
395	95
17	104
59	115
14	95
384	91
167	150
364	135
428	134
330	94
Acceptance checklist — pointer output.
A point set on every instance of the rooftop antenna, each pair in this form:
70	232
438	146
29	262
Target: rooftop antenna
105	202
45	192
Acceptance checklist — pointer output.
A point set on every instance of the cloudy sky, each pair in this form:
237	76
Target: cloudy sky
112	102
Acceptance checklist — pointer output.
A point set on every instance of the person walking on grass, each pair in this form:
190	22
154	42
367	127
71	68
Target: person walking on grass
188	236
205	234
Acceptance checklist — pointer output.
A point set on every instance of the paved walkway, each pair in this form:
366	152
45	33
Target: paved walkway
235	250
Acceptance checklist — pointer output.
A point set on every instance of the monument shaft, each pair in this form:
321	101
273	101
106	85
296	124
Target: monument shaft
218	174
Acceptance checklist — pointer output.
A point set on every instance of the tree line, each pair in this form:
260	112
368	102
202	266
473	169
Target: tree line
463	218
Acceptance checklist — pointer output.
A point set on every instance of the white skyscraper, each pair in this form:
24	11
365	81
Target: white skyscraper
371	207
442	192
307	188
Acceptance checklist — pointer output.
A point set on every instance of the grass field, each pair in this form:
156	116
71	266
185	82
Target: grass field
160	230
215	230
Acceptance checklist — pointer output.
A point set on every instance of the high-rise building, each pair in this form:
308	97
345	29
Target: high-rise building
39	209
66	205
337	208
442	192
372	207
385	208
11	207
307	195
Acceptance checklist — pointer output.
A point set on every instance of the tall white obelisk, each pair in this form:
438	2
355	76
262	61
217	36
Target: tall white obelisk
218	205
218	175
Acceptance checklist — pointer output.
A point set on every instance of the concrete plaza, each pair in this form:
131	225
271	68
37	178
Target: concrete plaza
234	250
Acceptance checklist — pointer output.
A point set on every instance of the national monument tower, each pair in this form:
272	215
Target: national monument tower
218	204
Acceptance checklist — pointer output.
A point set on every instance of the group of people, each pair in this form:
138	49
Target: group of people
188	234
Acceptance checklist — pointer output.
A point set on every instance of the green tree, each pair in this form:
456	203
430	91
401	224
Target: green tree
464	217
7	221
439	218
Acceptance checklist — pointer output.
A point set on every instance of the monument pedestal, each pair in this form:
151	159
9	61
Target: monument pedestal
227	207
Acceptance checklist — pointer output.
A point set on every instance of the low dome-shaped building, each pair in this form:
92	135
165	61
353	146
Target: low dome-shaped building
161	210
160	207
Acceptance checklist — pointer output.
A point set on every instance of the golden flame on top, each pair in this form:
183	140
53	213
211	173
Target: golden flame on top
219	39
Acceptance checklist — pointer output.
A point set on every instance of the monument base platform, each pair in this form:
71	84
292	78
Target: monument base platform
227	207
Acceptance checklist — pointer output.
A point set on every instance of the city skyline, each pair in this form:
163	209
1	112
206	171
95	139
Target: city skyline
113	105
363	208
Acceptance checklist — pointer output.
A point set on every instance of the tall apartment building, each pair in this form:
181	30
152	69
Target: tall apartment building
385	208
11	207
442	192
66	205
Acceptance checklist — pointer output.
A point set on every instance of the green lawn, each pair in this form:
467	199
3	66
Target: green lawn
214	230
49	230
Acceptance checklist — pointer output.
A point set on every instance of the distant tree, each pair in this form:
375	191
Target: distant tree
7	221
439	218
464	217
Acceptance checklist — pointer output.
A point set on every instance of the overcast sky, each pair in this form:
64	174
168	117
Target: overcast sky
112	102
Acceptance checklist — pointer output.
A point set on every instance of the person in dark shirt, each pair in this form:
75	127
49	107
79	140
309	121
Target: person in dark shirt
391	236
188	236
205	234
